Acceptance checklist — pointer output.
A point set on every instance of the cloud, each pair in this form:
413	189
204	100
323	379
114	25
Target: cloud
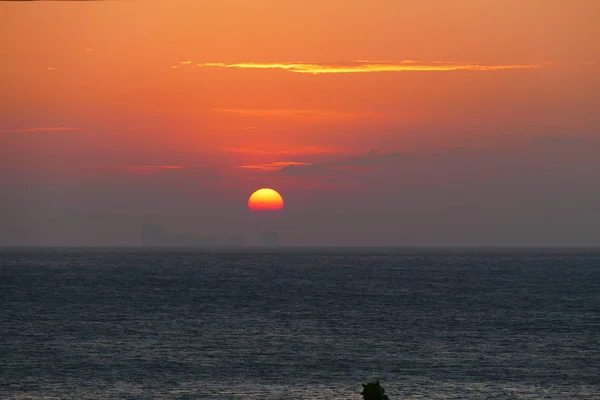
274	166
304	170
365	66
340	164
369	160
42	129
335	160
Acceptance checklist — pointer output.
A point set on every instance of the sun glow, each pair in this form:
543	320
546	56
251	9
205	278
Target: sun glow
265	199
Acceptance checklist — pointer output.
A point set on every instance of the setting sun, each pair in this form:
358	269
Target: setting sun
265	200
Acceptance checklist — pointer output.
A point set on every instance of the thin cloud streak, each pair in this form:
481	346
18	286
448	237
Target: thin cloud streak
46	129
369	161
274	166
370	66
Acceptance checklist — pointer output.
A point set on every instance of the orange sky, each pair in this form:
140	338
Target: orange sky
255	90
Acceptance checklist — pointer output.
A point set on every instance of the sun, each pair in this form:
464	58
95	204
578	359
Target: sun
265	200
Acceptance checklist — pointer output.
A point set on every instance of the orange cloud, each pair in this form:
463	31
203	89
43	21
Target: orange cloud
44	129
274	166
364	66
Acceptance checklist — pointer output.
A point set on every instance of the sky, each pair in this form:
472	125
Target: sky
380	122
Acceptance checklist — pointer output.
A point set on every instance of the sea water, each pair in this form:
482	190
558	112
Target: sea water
299	323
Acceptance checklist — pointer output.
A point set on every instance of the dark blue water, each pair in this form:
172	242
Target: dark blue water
313	324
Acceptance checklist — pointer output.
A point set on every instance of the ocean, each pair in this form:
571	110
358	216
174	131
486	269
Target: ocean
299	323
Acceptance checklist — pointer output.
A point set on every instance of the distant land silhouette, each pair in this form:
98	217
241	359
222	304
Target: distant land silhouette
154	236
